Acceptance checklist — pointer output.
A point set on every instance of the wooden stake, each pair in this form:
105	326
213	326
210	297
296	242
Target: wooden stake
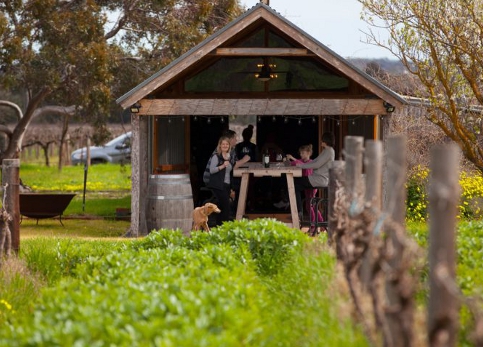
444	193
10	176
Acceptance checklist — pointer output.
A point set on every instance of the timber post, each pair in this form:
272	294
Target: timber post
443	196
398	313
11	182
336	181
373	195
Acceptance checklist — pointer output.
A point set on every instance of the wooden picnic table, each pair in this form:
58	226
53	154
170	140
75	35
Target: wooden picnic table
276	169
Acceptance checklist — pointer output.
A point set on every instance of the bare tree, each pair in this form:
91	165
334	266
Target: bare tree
441	43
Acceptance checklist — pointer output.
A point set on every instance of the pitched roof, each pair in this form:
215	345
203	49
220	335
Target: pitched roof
256	13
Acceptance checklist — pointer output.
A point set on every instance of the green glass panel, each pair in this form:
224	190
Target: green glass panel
276	41
302	74
255	40
227	75
238	75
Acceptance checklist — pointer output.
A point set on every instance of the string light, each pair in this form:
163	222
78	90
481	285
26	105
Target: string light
314	120
259	119
285	120
300	121
169	120
208	121
222	120
274	119
195	118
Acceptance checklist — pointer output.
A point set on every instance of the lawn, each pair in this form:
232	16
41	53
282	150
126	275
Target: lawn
92	214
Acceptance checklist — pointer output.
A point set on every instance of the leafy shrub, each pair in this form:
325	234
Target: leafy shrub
55	258
267	242
169	290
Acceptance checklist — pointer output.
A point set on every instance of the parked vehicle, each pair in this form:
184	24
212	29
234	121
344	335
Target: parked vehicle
115	151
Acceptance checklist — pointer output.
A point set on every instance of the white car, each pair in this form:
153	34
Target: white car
115	151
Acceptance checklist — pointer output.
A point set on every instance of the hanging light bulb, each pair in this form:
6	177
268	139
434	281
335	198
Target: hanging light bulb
323	119
195	118
259	119
182	119
208	121
274	119
338	123
300	121
313	120
222	120
353	122
169	120
285	120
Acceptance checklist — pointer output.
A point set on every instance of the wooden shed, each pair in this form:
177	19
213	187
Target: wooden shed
259	65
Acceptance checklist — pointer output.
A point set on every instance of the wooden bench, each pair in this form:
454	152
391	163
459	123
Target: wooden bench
44	205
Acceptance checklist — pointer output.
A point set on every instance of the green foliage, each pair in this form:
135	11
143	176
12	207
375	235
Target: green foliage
469	250
55	258
417	200
267	242
169	290
471	202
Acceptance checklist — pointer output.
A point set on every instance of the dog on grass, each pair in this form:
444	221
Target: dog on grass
200	216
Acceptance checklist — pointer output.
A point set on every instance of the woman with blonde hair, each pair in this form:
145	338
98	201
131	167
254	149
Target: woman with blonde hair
221	164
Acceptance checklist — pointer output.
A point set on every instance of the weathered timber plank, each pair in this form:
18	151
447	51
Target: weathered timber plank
282	107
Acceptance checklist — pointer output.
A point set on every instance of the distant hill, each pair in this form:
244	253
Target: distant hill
392	66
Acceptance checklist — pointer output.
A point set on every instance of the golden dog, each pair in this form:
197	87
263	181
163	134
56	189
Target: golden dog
200	216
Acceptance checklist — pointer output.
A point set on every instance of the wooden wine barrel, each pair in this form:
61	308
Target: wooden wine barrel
169	203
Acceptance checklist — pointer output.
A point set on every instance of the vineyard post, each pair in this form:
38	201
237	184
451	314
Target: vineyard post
336	178
353	172
11	179
443	196
395	207
373	195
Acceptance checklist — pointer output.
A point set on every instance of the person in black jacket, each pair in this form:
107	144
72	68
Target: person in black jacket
246	147
220	176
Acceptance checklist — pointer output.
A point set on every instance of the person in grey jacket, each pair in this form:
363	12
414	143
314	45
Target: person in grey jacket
320	166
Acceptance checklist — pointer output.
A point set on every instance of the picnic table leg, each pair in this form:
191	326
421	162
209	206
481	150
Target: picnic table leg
242	199
293	201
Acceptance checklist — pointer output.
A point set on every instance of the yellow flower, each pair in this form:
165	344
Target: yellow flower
7	305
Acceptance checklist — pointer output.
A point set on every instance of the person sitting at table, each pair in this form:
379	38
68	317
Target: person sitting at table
305	152
320	167
247	147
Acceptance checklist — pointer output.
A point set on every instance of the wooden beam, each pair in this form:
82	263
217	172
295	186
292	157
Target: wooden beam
281	107
262	51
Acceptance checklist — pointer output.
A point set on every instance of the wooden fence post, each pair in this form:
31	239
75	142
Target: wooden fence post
353	172
336	178
399	314
10	176
444	193
373	196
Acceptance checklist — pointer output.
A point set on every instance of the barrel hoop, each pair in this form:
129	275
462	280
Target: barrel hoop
169	183
177	197
180	176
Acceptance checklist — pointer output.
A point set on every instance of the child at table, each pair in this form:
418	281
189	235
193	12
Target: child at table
305	152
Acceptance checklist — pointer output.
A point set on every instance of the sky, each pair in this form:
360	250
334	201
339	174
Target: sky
335	23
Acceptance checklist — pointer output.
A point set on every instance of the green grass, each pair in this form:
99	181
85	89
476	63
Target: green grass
104	177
